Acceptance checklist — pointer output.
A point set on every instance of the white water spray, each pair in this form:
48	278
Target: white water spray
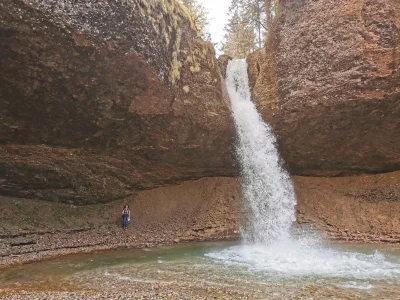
267	188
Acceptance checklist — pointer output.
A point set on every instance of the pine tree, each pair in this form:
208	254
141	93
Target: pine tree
268	13
254	13
200	16
245	30
272	10
248	25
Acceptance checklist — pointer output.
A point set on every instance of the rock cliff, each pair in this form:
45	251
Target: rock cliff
100	99
329	83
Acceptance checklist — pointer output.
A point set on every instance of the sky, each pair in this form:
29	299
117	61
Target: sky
218	17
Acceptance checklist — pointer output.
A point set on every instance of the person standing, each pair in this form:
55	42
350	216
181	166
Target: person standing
126	216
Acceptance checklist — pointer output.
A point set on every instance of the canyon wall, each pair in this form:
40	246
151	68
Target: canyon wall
328	81
121	101
100	99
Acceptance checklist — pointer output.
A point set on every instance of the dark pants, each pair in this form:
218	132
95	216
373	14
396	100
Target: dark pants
125	218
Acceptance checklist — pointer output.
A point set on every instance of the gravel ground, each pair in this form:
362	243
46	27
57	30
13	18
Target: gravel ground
38	246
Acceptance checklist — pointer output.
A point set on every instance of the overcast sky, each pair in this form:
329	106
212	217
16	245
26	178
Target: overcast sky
218	17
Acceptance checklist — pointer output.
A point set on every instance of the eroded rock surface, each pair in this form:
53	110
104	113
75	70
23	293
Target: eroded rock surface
329	83
102	98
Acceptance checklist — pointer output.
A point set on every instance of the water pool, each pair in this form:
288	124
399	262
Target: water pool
209	270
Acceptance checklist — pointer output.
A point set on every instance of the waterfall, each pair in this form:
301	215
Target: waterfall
269	248
267	189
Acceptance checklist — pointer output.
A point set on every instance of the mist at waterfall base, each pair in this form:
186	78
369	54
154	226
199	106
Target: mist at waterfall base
271	243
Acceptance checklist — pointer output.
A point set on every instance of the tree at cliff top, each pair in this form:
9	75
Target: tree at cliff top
254	14
246	28
272	9
200	16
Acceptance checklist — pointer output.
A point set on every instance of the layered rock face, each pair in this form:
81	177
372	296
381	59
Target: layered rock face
102	98
329	83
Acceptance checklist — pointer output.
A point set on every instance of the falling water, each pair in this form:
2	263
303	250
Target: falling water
267	188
